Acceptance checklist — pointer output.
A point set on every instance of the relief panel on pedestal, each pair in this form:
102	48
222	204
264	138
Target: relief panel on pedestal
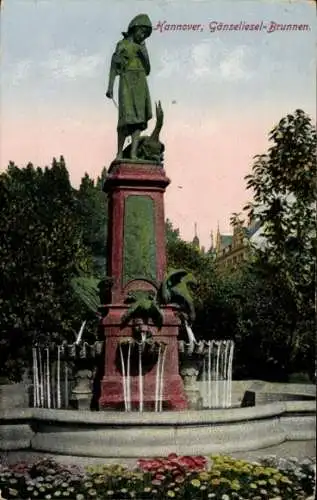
139	241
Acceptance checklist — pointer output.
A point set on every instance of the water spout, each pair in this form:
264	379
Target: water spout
80	333
204	381
36	395
157	378
230	373
162	379
41	380
210	344
123	379
48	379
128	381
58	377
217	373
140	346
190	333
66	385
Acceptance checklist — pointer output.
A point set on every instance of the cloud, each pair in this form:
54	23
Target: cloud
60	65
65	65
170	63
20	71
215	62
233	67
208	60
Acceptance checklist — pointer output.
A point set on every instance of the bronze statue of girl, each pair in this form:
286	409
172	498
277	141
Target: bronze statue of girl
130	62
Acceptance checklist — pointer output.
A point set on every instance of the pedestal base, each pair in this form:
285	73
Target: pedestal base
112	391
112	398
137	261
195	401
81	401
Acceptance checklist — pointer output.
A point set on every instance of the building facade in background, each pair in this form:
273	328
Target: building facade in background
232	250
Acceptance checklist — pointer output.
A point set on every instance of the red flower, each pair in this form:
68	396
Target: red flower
169	466
187	462
173	463
150	464
160	477
200	461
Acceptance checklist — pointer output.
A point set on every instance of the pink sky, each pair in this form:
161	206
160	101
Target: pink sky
206	167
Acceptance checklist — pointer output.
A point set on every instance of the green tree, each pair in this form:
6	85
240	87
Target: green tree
209	296
182	254
284	186
93	216
172	234
40	250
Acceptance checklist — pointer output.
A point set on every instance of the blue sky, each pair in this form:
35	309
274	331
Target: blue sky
49	42
229	88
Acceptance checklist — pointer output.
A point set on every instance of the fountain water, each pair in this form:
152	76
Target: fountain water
190	333
158	380
140	347
217	378
47	392
213	360
124	378
51	368
80	333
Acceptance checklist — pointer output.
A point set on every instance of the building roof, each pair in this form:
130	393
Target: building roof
225	240
253	227
196	243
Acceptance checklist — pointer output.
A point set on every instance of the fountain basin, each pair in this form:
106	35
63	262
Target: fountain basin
131	434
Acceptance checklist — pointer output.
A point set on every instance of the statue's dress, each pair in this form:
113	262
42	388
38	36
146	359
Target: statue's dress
134	97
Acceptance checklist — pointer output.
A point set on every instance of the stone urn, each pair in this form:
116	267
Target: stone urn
82	392
191	358
189	375
83	357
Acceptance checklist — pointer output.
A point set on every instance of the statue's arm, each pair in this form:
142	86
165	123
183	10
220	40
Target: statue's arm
144	56
114	70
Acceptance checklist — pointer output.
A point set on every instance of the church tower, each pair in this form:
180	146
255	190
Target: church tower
196	242
218	240
212	248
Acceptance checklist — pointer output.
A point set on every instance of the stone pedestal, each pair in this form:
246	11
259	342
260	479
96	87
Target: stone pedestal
136	260
195	401
112	384
136	226
82	392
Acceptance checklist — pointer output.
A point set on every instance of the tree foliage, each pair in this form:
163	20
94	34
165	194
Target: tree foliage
41	248
284	186
267	306
93	216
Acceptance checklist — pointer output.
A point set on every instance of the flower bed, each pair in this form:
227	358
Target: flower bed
194	478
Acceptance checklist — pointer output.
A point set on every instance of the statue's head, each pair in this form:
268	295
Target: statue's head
140	28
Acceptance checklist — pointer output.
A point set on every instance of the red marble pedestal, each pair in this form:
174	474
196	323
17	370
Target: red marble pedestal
137	261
